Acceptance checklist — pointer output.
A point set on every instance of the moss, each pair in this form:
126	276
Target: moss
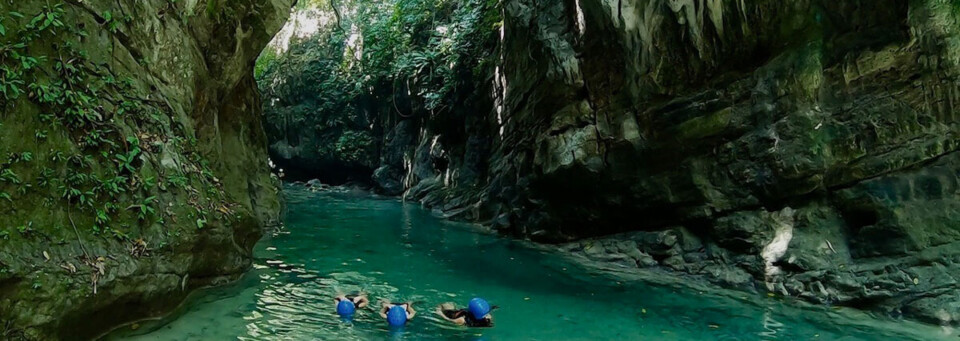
213	8
83	146
704	126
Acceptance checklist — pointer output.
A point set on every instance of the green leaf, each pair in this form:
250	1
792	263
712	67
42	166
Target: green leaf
16	15
3	30
36	20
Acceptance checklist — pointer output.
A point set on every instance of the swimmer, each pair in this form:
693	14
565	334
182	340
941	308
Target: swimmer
347	305
397	314
477	313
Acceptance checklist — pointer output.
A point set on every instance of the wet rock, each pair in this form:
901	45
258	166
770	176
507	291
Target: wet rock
728	276
692	132
617	259
688	240
645	261
744	232
942	308
675	263
175	93
658	243
389	180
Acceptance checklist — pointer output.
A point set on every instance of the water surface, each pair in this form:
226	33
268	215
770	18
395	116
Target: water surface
344	242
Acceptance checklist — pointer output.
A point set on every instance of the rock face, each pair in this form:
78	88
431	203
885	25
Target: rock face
805	148
809	144
132	156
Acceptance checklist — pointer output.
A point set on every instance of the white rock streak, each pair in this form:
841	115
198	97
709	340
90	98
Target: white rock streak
783	233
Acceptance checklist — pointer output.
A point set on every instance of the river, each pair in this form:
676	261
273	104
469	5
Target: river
341	242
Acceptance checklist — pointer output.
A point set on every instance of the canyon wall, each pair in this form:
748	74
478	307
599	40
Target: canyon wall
803	148
133	161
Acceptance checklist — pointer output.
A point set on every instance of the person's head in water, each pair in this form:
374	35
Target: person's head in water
347	305
346	308
477	313
478	307
397	314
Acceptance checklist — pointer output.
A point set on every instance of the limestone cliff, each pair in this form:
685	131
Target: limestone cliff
805	148
132	157
808	145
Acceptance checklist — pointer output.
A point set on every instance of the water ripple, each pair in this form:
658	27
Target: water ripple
343	243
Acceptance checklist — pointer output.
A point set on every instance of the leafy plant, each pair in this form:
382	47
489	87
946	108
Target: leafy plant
112	23
3	29
125	162
353	146
145	208
178	180
26	228
410	57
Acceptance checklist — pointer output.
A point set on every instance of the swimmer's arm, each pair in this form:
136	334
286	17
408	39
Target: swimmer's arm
410	312
384	307
460	320
361	301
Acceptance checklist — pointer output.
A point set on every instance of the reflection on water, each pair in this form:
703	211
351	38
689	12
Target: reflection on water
770	326
341	243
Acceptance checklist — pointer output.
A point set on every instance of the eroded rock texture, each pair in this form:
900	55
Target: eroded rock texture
809	144
134	160
801	147
805	148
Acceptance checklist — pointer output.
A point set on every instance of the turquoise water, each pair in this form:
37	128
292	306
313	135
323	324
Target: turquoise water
343	242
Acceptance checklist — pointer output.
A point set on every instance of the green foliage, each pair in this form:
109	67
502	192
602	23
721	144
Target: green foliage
145	208
85	103
125	162
213	7
263	62
26	229
385	59
425	51
15	62
354	145
178	181
112	23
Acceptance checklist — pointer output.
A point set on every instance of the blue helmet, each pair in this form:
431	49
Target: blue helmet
478	307
397	316
346	308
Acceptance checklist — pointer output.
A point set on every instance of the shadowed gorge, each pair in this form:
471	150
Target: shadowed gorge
801	148
790	161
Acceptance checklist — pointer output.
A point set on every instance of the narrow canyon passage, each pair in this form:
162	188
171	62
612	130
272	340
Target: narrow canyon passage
598	169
